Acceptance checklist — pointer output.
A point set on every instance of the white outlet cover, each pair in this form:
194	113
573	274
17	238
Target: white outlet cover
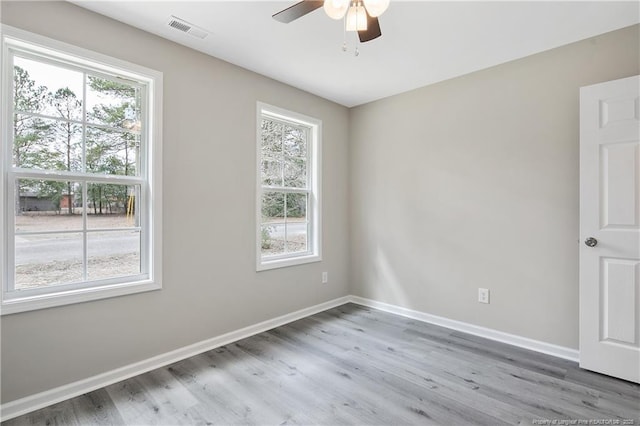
483	295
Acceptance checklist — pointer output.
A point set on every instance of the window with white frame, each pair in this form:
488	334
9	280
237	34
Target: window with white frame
288	188
81	188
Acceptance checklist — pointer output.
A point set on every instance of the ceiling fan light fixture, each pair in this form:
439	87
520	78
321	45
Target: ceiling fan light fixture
356	17
335	9
376	8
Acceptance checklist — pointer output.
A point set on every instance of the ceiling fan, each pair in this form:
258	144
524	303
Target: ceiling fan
361	15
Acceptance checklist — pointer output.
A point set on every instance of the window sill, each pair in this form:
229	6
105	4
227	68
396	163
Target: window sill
265	265
32	303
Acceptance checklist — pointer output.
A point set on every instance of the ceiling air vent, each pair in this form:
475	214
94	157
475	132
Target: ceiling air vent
186	27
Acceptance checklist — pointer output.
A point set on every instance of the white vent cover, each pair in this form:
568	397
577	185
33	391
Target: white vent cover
186	27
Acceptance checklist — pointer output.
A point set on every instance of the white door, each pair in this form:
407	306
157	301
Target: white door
610	228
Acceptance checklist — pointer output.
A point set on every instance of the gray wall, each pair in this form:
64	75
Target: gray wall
210	283
473	182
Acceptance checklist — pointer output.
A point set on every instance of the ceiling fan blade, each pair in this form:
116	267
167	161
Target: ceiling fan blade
297	10
372	31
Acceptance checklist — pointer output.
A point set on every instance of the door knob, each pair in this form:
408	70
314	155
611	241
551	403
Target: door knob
591	242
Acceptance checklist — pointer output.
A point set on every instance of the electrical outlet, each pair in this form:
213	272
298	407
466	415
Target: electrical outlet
483	295
325	277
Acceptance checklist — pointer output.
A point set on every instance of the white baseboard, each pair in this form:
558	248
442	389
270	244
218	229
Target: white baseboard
43	399
512	339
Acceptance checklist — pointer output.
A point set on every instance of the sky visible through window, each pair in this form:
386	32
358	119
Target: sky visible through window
51	76
54	78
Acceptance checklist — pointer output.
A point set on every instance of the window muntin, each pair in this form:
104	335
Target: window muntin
288	188
79	199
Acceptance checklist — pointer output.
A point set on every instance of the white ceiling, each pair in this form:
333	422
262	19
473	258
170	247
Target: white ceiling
422	42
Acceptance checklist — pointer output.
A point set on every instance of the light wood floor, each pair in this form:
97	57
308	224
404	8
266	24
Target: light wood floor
355	365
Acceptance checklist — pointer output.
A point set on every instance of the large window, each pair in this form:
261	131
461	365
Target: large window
80	174
288	216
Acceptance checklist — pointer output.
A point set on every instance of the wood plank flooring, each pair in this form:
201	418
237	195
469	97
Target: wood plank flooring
353	365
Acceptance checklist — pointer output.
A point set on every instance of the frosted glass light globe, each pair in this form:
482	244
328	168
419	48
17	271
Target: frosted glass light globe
335	9
356	18
375	8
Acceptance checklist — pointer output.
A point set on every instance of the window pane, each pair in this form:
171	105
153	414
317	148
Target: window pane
284	233
44	205
273	227
113	254
46	260
32	147
112	152
297	238
271	139
46	144
113	104
296	222
295	142
295	173
296	207
47	89
272	239
271	172
112	206
272	207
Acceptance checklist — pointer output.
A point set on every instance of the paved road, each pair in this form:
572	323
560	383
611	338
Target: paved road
295	228
47	248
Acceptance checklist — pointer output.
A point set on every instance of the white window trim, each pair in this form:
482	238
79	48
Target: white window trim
315	174
27	41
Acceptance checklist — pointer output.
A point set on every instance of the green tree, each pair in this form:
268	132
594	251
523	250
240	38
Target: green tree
284	151
114	149
112	88
111	147
52	190
68	107
29	133
122	144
